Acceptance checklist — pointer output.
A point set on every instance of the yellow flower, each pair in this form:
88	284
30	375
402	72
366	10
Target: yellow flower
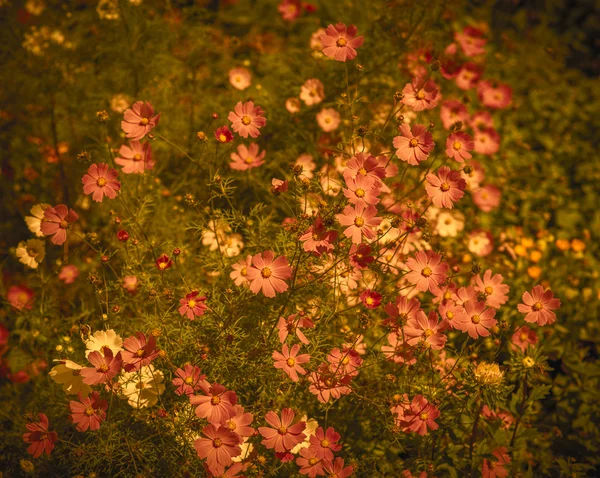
534	272
489	374
578	245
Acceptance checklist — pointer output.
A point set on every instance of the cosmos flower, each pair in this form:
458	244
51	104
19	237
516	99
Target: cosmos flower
89	412
538	305
340	42
445	188
246	119
31	253
283	436
41	439
240	78
192	306
136	158
100	181
458	146
139	120
413	146
56	222
268	274
290	362
247	157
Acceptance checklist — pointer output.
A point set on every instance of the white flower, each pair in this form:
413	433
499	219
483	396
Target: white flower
247	448
31	253
34	222
449	224
67	373
142	388
103	339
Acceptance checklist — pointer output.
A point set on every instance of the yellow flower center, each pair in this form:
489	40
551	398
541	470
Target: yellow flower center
189	380
249	160
282	430
222	138
428	333
424	416
528	362
64	224
489	290
325	443
103	368
360	193
450	315
137	157
413	142
475	319
217	443
266	273
345	360
31	252
215	400
244	271
290	362
144	121
420	95
447	295
457	145
359	222
523	336
231	425
140	353
362	171
341	42
369	301
191	304
426	272
163	265
89	411
537	306
445	187
246	120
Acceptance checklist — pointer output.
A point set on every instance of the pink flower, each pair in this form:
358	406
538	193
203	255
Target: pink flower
487	197
361	190
240	271
452	111
278	186
340	43
426	330
493	288
56	222
290	9
239	422
130	284
223	135
450	313
446	187
100	181
336	468
465	295
327	384
247	157
402	310
41	439
105	367
495	468
468	76
476	319
268	274
240	78
365	165
283	436
317	238
370	299
427	271
189	379
538	305
471	40
292	325
312	92
413	147
496	96
481	243
310	463
420	96
20	297
218	448
482	120
68	274
135	158
328	119
139	120
216	405
88	412
192	306
524	337
246	119
325	443
361	222
487	141
293	105
346	362
458	146
420	416
139	351
289	361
